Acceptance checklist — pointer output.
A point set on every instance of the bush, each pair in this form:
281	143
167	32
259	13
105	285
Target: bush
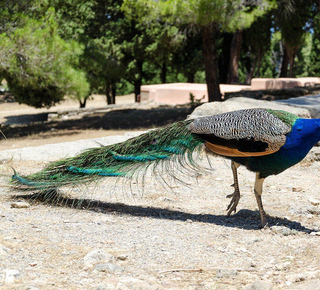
41	67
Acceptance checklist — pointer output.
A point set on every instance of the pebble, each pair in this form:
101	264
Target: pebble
4	250
122	257
259	285
33	264
297	277
20	204
283	230
283	266
11	276
222	273
97	257
314	201
315	234
134	283
108	267
31	287
296	189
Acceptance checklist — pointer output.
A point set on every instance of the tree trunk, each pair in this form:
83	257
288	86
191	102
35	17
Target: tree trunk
113	92
209	51
291	57
235	50
109	93
190	77
164	72
137	85
83	102
250	73
284	65
259	65
138	82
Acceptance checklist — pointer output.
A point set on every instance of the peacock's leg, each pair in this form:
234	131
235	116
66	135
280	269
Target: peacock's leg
258	192
236	194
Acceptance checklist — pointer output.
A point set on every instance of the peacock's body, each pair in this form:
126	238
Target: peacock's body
265	141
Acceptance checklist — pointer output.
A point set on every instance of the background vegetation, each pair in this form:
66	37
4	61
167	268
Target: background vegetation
53	48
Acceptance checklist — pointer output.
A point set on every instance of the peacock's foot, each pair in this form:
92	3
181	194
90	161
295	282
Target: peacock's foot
233	203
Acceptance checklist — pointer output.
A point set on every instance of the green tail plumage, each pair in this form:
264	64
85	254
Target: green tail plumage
173	142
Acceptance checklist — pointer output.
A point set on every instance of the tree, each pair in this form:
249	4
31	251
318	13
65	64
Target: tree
314	67
164	41
291	18
40	67
103	68
235	50
188	58
211	17
257	42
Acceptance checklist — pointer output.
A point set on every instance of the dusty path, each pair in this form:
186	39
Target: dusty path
165	239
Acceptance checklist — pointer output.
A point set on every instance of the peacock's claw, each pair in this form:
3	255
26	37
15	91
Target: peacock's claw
233	203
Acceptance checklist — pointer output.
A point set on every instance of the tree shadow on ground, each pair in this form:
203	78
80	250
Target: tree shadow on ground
128	119
244	219
26	119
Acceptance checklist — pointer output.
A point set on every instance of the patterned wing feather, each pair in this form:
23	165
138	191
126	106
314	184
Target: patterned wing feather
244	133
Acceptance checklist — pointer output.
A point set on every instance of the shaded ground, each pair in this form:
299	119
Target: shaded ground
37	131
129	119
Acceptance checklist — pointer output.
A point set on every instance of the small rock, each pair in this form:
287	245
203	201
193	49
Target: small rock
20	204
283	230
97	257
297	277
222	273
114	269
107	286
296	189
288	283
283	266
314	201
253	264
31	287
100	267
259	285
208	285
33	264
4	250
315	234
122	257
134	283
11	276
109	267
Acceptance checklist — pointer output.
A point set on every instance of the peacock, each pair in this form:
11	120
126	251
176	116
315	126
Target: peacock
265	141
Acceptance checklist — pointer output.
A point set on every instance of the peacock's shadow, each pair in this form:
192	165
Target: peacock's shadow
243	219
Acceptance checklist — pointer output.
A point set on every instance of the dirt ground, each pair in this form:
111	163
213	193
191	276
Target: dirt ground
123	237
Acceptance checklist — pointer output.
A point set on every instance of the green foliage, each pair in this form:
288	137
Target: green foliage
229	14
302	59
41	67
314	65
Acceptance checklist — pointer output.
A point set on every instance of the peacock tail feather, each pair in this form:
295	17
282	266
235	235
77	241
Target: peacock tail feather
173	142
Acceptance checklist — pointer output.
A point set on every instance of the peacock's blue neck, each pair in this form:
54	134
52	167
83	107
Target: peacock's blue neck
305	133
